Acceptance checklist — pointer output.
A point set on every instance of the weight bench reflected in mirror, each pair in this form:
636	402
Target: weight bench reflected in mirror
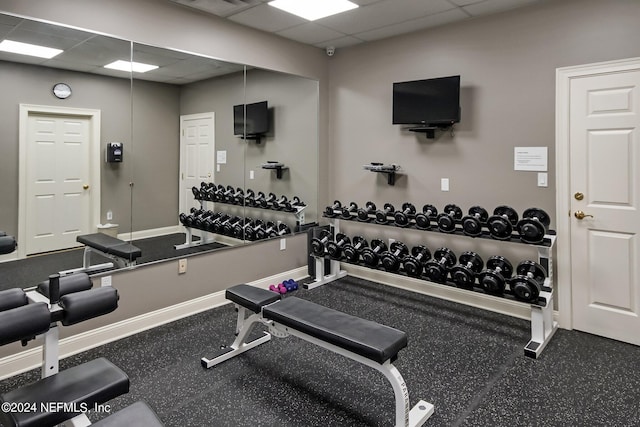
364	341
122	253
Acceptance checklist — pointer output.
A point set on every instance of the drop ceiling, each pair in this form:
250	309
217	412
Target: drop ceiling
373	20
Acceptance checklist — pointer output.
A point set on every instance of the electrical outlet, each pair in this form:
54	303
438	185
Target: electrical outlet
283	244
109	215
444	184
105	281
182	266
252	175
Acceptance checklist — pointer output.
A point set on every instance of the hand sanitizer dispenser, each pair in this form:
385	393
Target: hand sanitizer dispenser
114	152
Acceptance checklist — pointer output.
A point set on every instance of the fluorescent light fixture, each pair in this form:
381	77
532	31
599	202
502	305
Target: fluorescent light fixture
313	9
136	67
28	49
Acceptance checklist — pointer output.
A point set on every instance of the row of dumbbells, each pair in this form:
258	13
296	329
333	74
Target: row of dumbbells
467	271
532	228
233	226
208	191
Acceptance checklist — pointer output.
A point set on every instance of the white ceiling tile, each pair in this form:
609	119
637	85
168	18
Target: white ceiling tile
267	18
494	6
414	25
383	13
310	33
465	2
340	43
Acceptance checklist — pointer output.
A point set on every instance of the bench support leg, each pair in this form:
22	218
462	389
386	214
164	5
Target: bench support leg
239	346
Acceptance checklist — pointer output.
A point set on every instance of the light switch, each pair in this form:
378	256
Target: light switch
542	179
444	184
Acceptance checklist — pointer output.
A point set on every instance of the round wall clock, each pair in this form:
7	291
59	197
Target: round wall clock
62	90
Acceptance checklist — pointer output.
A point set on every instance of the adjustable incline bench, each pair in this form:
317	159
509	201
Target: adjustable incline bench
123	254
364	341
62	397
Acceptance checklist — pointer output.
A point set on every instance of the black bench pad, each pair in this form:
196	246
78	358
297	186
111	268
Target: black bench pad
110	245
7	244
137	415
97	381
251	297
363	337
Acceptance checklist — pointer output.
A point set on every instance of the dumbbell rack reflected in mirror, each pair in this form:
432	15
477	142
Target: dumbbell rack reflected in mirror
543	327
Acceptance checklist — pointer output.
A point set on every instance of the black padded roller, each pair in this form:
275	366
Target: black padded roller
22	323
12	298
75	282
81	306
7	244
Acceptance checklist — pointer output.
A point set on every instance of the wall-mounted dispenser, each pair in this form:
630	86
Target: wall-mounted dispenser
114	152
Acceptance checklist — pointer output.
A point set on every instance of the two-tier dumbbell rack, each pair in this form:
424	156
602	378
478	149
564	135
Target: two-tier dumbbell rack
543	327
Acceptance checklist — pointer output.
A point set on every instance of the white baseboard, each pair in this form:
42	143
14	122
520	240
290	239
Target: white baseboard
32	358
152	232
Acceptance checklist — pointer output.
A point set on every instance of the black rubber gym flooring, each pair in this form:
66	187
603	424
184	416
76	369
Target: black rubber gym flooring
32	270
468	362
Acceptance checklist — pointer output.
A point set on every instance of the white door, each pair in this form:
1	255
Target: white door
197	151
58	181
604	156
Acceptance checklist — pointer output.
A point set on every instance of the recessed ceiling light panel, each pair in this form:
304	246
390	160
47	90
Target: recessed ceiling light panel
136	67
313	9
28	49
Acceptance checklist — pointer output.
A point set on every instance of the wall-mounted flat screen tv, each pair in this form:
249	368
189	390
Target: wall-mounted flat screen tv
430	102
257	119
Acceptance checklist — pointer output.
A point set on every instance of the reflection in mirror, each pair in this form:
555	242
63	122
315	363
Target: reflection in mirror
58	114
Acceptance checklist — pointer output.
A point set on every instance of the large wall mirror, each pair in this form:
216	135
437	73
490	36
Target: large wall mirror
177	120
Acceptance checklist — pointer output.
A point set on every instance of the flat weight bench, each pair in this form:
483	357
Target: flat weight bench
364	341
122	253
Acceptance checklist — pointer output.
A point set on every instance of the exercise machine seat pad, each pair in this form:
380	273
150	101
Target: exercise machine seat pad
251	297
94	382
12	298
7	244
25	322
363	337
137	414
110	245
75	282
81	306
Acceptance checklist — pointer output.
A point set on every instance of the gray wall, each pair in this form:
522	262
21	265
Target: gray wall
507	64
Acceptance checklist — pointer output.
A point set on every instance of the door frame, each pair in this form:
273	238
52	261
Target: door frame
94	162
211	115
564	76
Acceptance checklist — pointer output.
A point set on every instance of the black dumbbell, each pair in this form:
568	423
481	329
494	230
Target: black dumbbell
472	224
185	219
334	248
502	221
318	244
333	210
382	217
402	219
464	274
528	282
437	268
281	203
263	231
238	229
413	264
494	278
196	193
207	191
391	260
370	256
209	222
238	197
268	201
533	225
282	229
347	212
228	227
448	219
227	195
258	199
215	227
365	214
216	193
198	221
249	197
295	204
423	219
351	251
251	231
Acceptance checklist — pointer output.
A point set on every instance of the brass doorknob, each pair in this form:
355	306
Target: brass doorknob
579	196
86	186
581	215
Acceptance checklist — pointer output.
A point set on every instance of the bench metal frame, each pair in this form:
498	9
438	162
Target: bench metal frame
405	416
